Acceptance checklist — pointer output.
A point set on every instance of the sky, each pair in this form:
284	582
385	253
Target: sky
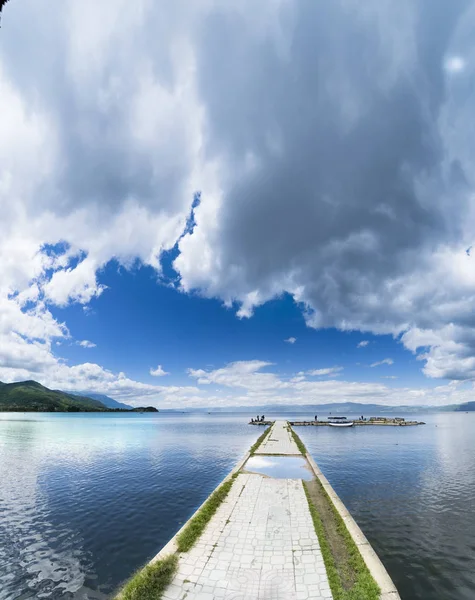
207	204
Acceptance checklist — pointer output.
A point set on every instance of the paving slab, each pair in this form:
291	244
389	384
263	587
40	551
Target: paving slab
259	545
279	441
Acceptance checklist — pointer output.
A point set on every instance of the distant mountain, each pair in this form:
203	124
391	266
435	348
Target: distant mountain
350	408
465	407
26	396
106	400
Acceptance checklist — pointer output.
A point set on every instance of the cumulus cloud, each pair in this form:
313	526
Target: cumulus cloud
337	166
291	340
385	361
245	384
337	184
328	371
158	372
35	361
87	344
240	374
99	152
363	344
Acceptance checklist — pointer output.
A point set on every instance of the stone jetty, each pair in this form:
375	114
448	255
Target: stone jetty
261	543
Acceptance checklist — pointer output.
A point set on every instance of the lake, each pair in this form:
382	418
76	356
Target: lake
86	499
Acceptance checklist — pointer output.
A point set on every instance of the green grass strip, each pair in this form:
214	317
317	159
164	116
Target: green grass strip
196	526
298	441
259	441
150	582
365	588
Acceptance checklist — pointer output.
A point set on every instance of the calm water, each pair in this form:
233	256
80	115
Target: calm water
87	499
280	467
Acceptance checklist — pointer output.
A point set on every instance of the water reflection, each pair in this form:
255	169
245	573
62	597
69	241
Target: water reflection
87	499
280	467
412	490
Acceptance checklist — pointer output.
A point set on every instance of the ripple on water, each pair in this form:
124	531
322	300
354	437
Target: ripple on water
412	491
87	499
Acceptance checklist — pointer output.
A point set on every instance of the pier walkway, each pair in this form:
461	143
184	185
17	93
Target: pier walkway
279	441
260	544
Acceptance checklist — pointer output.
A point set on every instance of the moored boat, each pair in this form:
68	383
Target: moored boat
339	422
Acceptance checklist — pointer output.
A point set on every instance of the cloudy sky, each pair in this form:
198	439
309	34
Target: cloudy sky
207	203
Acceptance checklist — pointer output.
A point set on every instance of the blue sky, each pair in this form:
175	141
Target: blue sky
139	322
188	185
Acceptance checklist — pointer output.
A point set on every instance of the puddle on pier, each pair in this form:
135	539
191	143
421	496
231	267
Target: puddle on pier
279	467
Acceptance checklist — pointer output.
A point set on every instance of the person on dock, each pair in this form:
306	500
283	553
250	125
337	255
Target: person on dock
316	418
262	418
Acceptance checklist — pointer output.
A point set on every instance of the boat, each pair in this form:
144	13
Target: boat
339	422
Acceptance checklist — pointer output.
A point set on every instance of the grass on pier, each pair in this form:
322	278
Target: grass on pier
348	575
150	582
259	441
298	441
347	572
196	526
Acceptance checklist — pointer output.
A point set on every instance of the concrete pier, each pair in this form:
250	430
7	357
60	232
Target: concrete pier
261	543
356	423
279	441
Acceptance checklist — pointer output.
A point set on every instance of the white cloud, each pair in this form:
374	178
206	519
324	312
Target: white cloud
33	361
252	387
102	150
78	284
239	384
363	344
328	371
240	374
291	340
341	250
386	361
158	372
388	376
86	344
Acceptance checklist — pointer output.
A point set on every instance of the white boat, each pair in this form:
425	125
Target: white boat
339	422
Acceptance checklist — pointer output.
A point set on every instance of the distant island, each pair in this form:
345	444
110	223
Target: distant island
31	396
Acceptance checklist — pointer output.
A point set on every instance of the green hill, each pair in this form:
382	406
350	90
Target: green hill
31	396
106	400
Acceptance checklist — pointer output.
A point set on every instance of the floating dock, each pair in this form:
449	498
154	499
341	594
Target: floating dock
356	423
261	542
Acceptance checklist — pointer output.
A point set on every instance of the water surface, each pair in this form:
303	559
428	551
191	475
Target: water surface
87	499
412	491
280	467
